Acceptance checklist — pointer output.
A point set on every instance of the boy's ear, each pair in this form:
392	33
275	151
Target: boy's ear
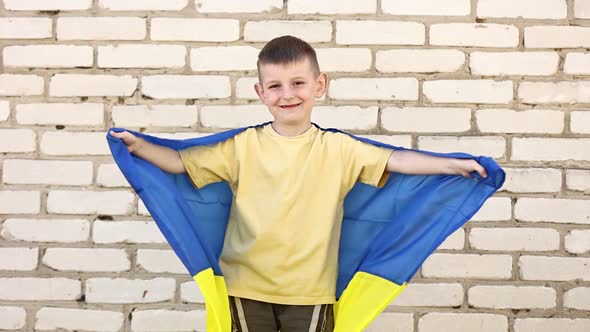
259	91
321	85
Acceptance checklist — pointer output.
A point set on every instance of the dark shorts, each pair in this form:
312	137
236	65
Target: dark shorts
254	316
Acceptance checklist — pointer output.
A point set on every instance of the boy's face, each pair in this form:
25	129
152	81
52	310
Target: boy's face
289	91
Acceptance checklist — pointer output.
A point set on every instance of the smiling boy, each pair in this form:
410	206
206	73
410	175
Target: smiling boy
289	179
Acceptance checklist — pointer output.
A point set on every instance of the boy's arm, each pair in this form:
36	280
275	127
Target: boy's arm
164	157
411	162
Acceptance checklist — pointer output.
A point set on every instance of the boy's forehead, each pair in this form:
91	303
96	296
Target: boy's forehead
272	71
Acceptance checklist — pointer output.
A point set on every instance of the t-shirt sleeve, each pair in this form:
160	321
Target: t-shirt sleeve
365	162
210	163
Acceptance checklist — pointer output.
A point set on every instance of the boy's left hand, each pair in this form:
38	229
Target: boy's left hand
466	166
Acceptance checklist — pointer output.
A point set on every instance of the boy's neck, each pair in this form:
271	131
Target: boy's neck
290	131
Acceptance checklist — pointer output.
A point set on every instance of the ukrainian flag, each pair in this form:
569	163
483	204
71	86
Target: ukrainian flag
387	233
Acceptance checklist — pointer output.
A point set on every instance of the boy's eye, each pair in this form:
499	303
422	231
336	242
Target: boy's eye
299	83
273	86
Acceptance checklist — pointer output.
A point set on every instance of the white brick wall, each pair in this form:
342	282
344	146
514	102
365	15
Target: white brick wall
54	56
119	290
12	318
536	9
78	319
85	114
499	78
25	28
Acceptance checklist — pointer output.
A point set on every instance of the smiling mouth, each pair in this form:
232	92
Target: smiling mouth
289	106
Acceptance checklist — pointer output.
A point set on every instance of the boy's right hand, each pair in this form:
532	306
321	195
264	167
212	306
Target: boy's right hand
131	141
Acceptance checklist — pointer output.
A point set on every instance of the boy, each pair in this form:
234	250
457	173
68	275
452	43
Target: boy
288	178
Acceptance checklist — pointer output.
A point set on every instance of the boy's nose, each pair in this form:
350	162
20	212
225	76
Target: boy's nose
287	93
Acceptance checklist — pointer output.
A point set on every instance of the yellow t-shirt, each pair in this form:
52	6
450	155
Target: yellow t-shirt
281	242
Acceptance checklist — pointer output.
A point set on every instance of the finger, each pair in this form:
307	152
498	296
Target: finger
482	171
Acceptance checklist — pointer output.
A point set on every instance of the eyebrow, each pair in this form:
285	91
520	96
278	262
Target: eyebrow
293	79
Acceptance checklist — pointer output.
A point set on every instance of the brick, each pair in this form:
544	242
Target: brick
195	29
577	179
78	319
159	261
532	180
379	32
21	85
17	140
143	5
224	58
345	117
141	56
344	59
430	295
577	241
411	119
159	320
12	318
20	202
469	91
126	232
582	9
512	297
155	116
395	140
404	88
332	7
245	88
577	64
141	209
110	176
71	85
577	298
551	324
310	31
580	122
554	268
53	56
571	211
419	61
238	6
185	86
101	28
18	259
4	110
120	290
514	239
50	230
470	266
40	289
234	116
495	209
190	292
549	92
392	322
526	121
550	149
528	9
74	143
90	202
462	322
87	259
23	171
556	36
474	34
25	28
47	4
494	147
513	63
455	241
81	114
427	7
